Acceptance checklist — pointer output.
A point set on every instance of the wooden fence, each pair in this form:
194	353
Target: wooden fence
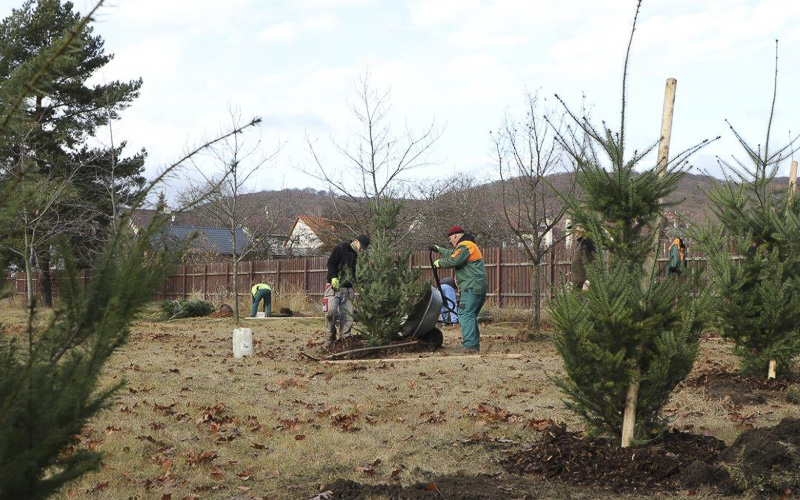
509	271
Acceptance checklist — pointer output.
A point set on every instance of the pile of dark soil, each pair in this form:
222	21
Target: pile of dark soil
761	461
566	457
224	311
717	378
737	389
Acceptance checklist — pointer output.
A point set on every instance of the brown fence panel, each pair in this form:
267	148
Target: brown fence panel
509	271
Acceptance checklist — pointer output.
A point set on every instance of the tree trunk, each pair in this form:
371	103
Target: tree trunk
235	289
537	297
29	273
47	282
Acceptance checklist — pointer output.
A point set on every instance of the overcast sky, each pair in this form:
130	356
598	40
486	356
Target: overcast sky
462	64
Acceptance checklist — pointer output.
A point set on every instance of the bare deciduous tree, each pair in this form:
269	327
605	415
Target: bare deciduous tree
376	163
222	190
528	154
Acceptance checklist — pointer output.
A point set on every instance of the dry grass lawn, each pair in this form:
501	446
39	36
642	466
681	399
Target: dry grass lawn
193	422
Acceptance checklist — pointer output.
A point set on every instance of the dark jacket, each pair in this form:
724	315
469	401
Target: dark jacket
342	264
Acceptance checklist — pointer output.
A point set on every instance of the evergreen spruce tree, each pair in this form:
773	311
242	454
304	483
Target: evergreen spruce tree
53	125
49	380
388	288
757	296
49	376
631	325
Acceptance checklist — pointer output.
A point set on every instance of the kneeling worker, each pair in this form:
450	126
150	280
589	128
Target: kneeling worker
259	292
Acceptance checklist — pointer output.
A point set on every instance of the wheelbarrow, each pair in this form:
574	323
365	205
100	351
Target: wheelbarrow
421	323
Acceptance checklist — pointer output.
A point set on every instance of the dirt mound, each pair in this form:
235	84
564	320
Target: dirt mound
742	390
566	457
763	461
224	311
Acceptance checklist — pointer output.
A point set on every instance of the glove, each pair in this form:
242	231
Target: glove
436	263
434	248
335	283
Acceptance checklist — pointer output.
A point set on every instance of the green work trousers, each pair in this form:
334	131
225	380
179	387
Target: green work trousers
469	306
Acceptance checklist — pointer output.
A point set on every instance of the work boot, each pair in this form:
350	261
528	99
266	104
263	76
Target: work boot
330	341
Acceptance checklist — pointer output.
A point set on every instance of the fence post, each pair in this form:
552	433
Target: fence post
499	275
305	275
205	282
228	277
278	278
185	295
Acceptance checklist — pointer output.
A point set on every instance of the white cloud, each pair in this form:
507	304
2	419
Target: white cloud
461	63
288	31
306	5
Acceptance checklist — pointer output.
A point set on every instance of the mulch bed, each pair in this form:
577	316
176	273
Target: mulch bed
765	460
565	456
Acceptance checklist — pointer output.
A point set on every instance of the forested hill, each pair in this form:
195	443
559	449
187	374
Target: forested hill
691	200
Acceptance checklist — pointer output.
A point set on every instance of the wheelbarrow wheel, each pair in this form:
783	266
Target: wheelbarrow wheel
433	337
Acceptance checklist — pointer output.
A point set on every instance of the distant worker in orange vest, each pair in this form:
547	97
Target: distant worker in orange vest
677	258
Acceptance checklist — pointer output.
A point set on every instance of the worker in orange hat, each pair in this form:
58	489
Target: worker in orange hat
467	260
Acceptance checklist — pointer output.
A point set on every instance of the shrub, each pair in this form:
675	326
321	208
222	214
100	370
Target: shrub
793	394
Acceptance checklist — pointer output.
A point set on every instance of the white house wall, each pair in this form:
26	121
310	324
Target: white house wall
303	237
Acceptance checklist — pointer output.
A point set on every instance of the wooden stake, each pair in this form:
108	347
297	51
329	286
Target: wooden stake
771	371
629	417
666	126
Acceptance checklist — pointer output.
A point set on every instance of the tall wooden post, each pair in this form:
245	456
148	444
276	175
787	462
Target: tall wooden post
666	126
629	415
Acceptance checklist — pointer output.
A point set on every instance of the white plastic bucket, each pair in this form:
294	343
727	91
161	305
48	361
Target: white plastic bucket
242	342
